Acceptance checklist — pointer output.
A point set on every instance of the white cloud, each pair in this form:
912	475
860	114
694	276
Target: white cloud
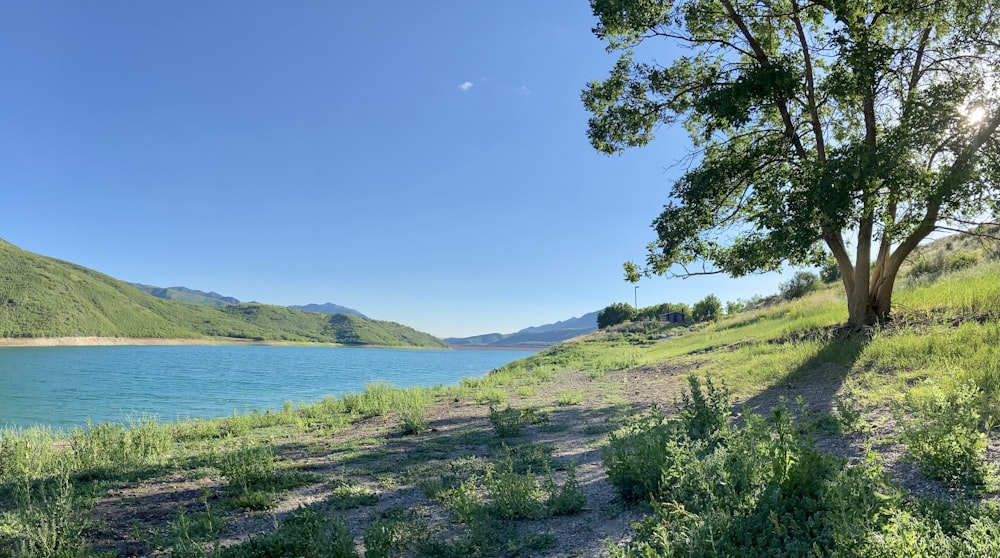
524	90
466	85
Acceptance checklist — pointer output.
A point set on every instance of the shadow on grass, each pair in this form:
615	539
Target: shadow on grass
817	381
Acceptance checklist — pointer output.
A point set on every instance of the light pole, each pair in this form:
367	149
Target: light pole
636	293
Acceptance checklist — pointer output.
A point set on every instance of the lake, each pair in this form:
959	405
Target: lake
62	387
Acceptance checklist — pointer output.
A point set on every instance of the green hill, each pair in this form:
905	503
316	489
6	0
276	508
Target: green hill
46	297
184	294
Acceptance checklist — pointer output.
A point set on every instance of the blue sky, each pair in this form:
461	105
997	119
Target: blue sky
422	162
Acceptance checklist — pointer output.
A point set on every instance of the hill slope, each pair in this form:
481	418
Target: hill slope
329	308
184	294
46	297
537	336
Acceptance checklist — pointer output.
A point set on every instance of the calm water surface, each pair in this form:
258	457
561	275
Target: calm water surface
64	386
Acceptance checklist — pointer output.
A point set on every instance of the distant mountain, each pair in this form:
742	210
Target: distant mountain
329	308
192	296
537	336
184	294
46	297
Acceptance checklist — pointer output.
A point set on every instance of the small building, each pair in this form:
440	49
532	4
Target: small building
673	318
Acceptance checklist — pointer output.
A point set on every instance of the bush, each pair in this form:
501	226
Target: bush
615	314
943	435
705	413
708	308
567	499
829	270
248	467
514	495
637	455
306	532
801	284
762	491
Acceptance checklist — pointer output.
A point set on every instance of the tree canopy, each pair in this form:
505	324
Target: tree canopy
861	125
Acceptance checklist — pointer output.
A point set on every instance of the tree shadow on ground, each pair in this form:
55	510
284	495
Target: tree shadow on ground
817	381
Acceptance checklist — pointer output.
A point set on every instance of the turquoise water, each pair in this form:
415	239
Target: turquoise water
62	387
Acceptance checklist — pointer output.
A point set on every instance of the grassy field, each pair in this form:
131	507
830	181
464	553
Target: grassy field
768	433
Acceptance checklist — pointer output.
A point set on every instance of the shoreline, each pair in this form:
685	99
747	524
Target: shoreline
95	341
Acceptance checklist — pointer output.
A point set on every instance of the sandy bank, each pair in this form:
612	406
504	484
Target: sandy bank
108	341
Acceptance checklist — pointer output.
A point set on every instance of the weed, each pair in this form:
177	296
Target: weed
514	495
524	391
118	451
507	423
705	412
187	534
308	531
943	435
349	496
849	417
249	467
412	410
637	454
491	396
51	519
392	532
567	398
567	499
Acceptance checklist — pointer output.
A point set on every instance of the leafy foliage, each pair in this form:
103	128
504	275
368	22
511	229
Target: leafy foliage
708	308
944	436
615	314
801	284
811	122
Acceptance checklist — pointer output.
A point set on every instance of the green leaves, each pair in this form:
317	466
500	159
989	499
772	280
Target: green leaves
811	122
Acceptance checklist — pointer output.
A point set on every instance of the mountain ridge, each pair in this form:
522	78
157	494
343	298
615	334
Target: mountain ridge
536	336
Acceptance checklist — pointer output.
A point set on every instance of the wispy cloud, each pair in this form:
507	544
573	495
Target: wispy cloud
466	85
524	90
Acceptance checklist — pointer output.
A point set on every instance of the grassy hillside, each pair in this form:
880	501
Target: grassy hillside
190	296
45	297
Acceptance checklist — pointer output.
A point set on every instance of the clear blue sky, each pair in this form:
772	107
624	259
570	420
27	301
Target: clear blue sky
422	162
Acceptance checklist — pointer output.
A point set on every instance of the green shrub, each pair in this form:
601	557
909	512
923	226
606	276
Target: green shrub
514	495
707	309
801	284
349	496
567	499
637	455
311	532
829	270
763	490
568	398
509	422
249	467
943	435
51	519
615	314
113	449
27	455
705	412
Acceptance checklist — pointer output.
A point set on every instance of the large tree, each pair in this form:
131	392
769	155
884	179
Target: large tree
863	125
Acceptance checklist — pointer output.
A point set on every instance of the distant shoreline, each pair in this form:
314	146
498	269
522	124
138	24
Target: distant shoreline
499	347
92	341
